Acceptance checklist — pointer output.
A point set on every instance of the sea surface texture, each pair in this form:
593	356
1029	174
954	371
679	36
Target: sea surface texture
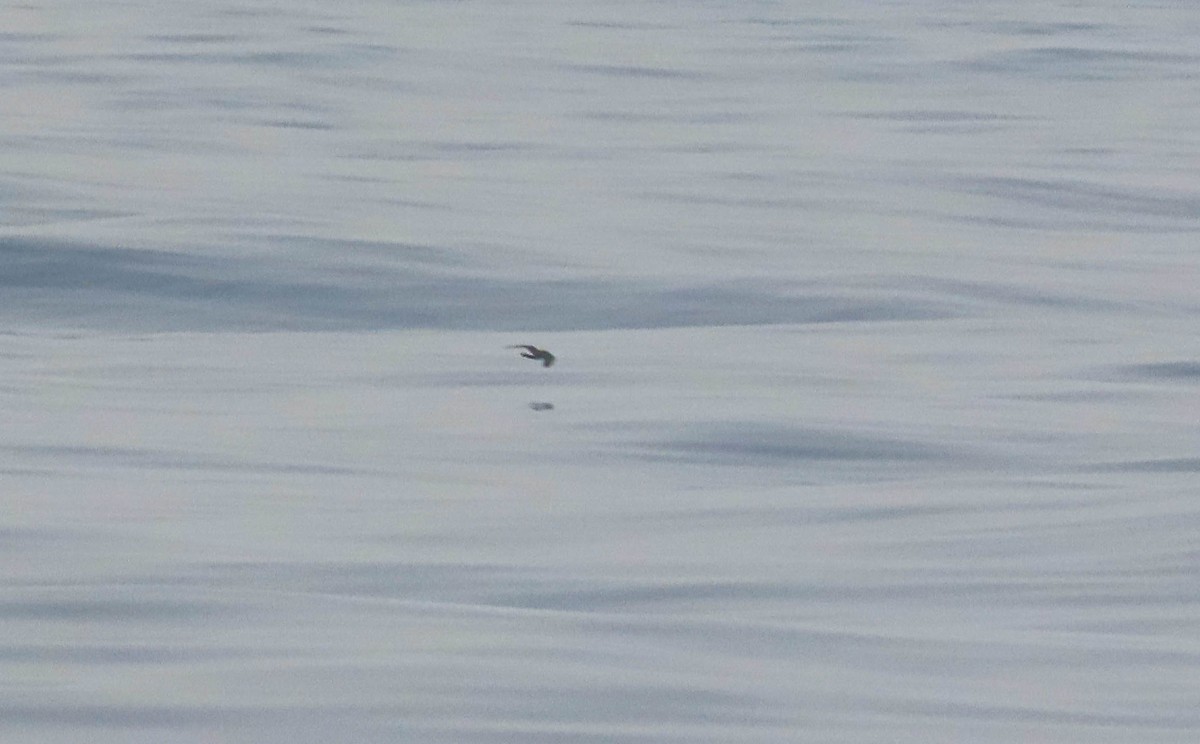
876	410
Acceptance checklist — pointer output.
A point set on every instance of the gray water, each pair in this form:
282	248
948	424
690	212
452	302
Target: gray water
875	416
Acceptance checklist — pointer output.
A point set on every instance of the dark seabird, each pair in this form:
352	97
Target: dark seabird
533	352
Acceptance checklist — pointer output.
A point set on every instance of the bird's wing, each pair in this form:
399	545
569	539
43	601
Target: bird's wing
530	349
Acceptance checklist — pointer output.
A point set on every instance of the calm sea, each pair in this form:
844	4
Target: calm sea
875	420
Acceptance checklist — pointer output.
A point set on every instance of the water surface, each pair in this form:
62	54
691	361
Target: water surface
874	416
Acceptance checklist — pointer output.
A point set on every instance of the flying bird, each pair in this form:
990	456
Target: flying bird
533	352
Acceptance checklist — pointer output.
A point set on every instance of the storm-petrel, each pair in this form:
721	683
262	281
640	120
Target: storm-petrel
533	352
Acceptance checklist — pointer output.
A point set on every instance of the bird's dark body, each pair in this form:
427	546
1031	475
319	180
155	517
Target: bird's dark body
533	352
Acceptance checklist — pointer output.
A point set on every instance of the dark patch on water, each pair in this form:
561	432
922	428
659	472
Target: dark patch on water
669	117
364	255
1032	28
296	60
1059	224
27	216
627	597
638	71
120	610
1077	396
727	518
749	443
1165	465
1080	64
194	38
1090	198
386	288
15	37
613	596
104	654
1033	714
11	537
619	25
152	459
623	703
52	74
178	716
1169	371
937	116
317	126
445	581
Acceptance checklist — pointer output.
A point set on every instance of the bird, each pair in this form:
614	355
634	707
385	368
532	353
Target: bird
533	352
